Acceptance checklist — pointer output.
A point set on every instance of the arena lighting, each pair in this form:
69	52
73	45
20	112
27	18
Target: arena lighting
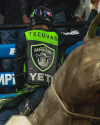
55	25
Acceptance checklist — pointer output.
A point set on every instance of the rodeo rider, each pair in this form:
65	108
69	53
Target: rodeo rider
40	52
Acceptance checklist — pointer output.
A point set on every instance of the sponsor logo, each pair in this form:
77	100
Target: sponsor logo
42	56
43	60
41	77
7	79
12	51
43	35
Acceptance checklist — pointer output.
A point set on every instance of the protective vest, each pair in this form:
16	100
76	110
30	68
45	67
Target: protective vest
41	56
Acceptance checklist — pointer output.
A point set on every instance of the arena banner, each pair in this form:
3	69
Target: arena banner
7	79
7	51
5	96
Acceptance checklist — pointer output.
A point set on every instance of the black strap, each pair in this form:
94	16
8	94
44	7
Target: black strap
39	83
17	110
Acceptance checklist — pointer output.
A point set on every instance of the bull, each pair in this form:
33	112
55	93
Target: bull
73	97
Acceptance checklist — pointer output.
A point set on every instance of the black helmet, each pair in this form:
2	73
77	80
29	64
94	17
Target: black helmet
41	15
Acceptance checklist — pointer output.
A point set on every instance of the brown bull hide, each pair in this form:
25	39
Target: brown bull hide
77	83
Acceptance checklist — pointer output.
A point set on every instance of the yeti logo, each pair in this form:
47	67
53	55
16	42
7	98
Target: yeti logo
43	59
42	56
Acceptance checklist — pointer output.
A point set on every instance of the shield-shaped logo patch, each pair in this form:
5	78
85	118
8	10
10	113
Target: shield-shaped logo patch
42	56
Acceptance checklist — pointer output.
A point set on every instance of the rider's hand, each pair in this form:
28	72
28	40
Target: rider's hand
25	18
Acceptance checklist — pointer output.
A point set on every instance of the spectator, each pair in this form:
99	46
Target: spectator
12	15
28	6
2	10
83	11
63	10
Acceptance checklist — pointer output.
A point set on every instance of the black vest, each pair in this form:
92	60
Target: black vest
41	55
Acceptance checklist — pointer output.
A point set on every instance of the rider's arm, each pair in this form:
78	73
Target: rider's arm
19	63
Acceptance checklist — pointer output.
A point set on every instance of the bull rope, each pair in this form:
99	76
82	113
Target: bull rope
71	113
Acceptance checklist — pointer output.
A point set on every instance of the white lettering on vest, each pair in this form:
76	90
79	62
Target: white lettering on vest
40	77
48	76
33	75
